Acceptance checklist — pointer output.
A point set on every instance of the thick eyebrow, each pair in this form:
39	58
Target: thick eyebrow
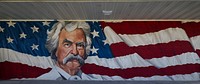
66	41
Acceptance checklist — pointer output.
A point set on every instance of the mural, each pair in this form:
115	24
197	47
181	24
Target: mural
129	50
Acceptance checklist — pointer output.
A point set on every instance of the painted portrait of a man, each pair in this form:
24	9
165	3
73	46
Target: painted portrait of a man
68	43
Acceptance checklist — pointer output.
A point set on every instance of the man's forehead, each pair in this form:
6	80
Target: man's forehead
77	34
68	40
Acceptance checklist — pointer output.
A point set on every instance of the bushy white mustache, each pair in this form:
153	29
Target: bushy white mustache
72	57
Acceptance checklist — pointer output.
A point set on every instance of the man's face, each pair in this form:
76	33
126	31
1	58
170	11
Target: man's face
71	44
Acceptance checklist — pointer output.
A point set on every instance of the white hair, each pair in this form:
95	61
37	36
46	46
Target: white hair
53	35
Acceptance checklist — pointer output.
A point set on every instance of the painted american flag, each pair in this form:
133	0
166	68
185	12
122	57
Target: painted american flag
129	50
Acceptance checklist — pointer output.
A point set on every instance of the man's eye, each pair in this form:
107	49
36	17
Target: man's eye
67	45
80	46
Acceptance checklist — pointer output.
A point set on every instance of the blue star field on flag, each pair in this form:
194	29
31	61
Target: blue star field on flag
25	36
99	47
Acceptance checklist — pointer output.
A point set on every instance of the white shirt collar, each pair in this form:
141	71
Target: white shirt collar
66	75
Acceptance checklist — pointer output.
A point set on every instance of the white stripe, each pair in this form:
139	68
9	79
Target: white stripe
195	42
178	77
128	61
187	21
184	58
162	36
134	60
111	36
14	56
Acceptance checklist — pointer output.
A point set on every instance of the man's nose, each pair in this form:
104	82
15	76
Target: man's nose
74	50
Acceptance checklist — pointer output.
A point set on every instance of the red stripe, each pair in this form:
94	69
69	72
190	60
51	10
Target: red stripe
192	28
11	70
153	51
141	27
141	71
121	49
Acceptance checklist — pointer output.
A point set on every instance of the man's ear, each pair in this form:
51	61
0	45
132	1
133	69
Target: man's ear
54	55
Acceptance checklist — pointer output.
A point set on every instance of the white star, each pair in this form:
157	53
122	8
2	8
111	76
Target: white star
94	33
34	47
94	50
22	35
10	23
1	29
46	23
105	42
35	29
10	40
